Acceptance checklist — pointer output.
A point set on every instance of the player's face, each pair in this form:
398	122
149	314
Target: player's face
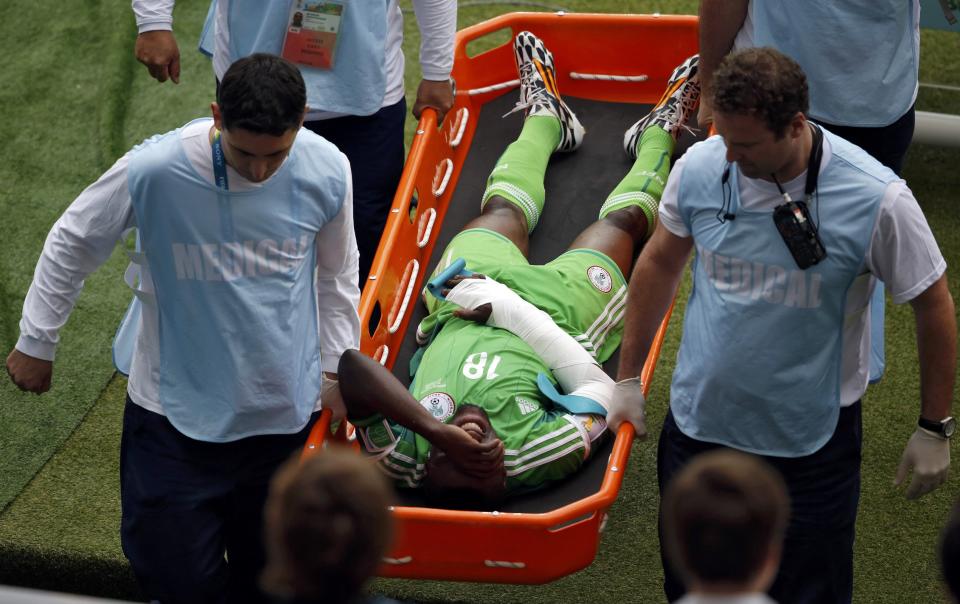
443	473
254	155
757	150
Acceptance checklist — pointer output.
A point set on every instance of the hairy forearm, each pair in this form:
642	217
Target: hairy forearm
937	349
720	20
652	286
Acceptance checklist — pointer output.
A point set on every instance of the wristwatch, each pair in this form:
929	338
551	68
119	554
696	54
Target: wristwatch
945	427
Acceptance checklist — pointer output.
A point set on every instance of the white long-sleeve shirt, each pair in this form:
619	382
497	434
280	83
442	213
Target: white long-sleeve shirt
85	235
436	19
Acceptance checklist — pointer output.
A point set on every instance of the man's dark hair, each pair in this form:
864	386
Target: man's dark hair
327	527
764	83
262	93
722	514
950	552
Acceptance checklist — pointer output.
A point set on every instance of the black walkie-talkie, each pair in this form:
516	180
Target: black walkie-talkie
792	218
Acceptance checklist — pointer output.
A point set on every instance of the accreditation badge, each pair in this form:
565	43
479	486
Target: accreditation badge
312	32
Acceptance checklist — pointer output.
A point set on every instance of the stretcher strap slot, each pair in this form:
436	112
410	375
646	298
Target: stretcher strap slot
458	126
380	356
404	292
442	177
503	564
575	75
425	227
398	561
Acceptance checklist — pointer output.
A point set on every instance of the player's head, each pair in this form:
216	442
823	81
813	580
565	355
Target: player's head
259	110
724	516
445	485
760	99
950	552
327	527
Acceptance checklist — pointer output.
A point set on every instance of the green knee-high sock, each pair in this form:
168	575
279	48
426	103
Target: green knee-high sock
643	185
518	175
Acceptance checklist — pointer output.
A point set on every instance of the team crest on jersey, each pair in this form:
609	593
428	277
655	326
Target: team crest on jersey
439	404
600	278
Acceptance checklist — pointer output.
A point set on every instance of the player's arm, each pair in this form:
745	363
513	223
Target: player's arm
80	241
720	20
437	21
483	299
368	389
336	283
156	46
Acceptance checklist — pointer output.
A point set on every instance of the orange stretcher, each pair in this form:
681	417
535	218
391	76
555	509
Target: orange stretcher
618	60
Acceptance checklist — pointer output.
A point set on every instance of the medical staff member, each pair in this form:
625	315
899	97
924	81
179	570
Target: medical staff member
356	101
248	269
791	227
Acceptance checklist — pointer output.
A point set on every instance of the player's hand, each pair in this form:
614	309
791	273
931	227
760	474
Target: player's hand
479	459
158	50
30	374
929	456
480	313
436	94
332	399
628	405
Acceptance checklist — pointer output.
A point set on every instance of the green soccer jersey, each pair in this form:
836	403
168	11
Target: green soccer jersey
582	290
494	369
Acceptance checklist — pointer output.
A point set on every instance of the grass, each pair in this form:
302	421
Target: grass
76	100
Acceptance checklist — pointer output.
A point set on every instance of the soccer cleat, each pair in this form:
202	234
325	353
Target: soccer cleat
539	94
678	102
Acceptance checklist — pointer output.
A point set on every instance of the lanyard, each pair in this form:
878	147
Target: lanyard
219	164
220	179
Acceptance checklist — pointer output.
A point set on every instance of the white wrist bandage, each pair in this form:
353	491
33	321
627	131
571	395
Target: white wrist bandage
573	367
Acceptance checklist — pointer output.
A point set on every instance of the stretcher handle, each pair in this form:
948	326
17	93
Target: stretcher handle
381	354
425	227
440	182
458	125
402	300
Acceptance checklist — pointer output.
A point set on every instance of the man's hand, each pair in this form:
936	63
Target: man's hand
628	405
330	398
704	115
438	95
479	459
30	374
158	50
929	456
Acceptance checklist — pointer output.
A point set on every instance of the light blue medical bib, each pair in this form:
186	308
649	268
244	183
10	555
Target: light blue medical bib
864	79
357	83
759	362
233	279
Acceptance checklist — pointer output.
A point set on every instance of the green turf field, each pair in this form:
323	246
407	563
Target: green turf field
74	100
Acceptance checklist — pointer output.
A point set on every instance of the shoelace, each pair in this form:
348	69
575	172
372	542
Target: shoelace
686	105
528	90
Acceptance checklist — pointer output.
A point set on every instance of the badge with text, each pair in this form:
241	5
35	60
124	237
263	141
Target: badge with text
312	32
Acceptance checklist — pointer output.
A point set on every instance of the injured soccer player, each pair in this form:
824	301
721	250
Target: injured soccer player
508	393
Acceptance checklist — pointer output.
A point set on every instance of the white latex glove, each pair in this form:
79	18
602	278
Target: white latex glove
628	405
929	456
330	398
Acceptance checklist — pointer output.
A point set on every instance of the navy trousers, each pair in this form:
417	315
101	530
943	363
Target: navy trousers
374	146
887	144
824	487
186	504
